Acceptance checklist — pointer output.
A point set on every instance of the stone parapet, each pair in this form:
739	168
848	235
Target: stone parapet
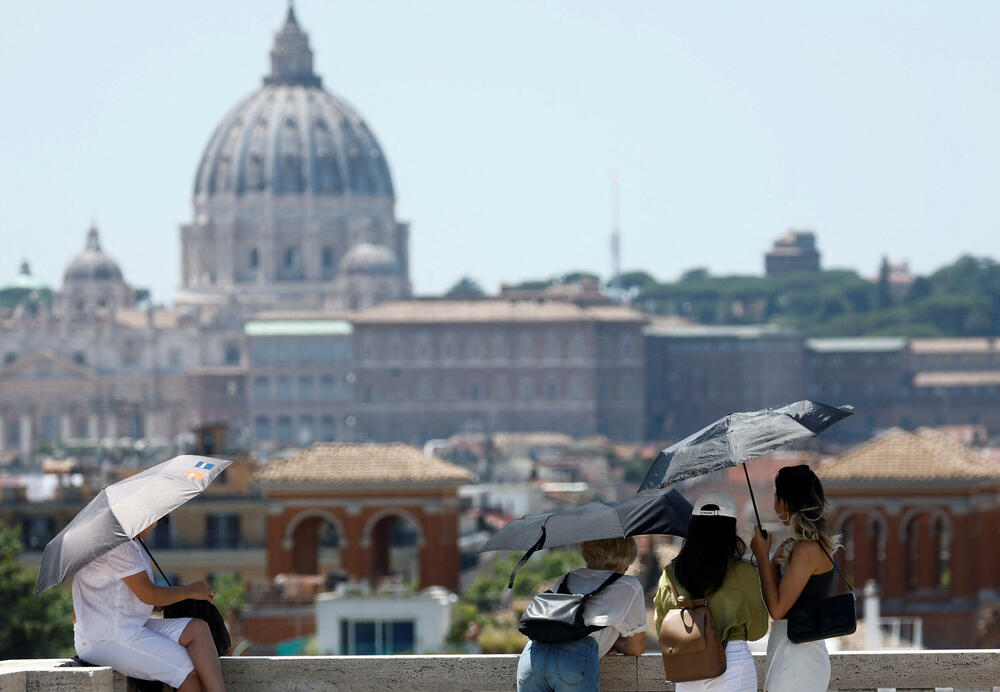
966	670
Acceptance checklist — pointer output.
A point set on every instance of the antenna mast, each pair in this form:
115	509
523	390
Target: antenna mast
616	232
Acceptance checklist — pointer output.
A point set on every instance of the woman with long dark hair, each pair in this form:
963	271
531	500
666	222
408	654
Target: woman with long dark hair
802	569
710	564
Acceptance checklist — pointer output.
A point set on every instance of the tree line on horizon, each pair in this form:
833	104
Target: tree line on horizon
961	299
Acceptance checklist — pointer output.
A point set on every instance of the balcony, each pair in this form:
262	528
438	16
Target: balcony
977	669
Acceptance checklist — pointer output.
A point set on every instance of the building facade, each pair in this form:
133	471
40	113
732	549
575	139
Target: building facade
918	514
429	369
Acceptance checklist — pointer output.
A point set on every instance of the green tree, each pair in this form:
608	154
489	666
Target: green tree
637	280
230	592
543	567
466	287
32	626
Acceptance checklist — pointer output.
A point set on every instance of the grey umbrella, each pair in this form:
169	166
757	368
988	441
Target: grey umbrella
739	437
122	510
648	513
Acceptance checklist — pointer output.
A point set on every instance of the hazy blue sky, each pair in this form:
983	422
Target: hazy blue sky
875	123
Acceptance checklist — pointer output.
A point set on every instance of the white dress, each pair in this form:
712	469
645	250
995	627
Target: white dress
795	667
740	675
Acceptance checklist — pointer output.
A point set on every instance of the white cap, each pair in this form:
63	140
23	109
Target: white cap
714	505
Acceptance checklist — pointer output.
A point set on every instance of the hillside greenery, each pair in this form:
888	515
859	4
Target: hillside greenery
959	299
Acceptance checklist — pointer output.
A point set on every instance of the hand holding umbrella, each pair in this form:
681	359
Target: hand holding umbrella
122	510
738	438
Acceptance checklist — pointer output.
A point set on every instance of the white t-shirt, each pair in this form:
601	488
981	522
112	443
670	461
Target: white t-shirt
104	605
620	607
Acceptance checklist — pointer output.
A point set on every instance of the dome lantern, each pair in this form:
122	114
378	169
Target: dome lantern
291	57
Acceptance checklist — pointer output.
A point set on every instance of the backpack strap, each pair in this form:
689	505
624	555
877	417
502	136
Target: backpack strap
706	597
564	586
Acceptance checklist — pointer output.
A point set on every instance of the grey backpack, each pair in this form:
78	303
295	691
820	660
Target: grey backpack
553	617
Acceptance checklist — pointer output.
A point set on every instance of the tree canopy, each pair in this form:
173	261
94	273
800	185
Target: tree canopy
33	626
960	299
466	287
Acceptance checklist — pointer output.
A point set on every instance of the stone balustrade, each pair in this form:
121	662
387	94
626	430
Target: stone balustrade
977	669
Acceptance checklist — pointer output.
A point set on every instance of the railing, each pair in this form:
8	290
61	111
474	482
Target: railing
977	669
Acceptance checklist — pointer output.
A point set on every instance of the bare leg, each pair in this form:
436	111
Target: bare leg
191	683
198	640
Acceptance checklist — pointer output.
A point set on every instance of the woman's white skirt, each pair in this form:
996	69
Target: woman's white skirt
740	675
795	667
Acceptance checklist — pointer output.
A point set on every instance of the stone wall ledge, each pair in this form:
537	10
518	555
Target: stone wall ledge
976	669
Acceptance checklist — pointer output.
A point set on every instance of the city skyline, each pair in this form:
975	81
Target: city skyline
892	111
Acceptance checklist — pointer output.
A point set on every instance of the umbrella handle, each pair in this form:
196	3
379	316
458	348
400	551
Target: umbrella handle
531	551
753	499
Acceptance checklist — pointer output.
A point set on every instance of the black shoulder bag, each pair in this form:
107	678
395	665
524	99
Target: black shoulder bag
831	617
554	617
194	608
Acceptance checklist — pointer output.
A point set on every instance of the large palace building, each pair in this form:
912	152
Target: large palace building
294	240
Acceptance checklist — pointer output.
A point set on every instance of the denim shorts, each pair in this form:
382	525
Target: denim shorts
552	667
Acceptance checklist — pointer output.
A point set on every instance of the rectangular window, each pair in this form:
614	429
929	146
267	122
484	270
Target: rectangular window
328	387
254	258
261	388
37	531
307	388
284	388
377	637
262	428
222	531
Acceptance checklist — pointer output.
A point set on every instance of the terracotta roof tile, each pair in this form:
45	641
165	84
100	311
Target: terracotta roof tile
966	345
431	311
358	464
946	378
900	455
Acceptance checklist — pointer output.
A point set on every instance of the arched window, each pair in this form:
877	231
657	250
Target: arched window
942	544
910	538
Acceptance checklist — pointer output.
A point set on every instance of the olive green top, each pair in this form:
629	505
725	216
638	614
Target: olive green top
737	607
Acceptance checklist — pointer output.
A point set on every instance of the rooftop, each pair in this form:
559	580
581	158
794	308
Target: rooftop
493	310
898	455
748	331
298	328
968	345
861	344
946	378
361	464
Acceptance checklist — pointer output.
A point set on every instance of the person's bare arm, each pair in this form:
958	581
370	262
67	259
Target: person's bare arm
803	564
631	646
154	595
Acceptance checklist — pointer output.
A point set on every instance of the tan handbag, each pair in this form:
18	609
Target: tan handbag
689	643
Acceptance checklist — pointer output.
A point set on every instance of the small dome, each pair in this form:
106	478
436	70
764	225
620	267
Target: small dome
370	259
25	281
92	263
291	137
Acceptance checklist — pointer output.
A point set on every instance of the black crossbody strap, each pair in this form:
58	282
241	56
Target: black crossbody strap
564	586
615	576
154	561
834	563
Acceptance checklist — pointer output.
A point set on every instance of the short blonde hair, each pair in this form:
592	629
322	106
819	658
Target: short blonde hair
615	554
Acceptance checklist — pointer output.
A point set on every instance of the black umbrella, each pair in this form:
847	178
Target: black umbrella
121	511
648	513
738	438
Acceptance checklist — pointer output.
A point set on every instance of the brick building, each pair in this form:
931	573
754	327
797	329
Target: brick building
373	513
919	513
